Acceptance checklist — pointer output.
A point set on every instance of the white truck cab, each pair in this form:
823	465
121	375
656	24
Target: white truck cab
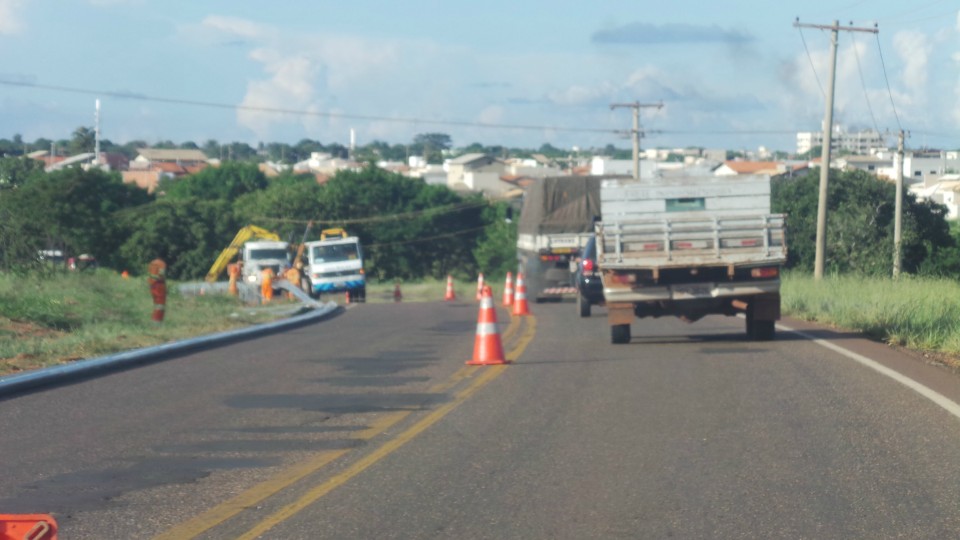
335	264
260	254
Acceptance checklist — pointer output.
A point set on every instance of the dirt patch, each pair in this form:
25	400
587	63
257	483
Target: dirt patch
17	329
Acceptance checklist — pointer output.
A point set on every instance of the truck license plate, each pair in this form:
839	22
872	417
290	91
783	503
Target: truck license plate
696	291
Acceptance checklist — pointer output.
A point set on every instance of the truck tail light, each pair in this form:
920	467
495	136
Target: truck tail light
588	265
765	272
623	278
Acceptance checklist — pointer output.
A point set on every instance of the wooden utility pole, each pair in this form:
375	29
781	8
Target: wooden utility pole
636	106
898	219
827	139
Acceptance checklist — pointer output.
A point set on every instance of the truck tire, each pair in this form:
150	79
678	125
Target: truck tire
619	333
583	305
361	295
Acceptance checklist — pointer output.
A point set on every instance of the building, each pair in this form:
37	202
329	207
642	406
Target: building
477	172
859	142
184	157
945	191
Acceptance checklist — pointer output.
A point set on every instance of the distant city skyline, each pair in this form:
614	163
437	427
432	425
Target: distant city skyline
518	74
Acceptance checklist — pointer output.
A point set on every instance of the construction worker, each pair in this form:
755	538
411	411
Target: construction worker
157	278
266	284
233	273
293	276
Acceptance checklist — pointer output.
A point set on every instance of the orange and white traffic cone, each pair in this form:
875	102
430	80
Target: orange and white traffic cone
450	296
346	297
487	348
508	291
520	306
32	526
480	286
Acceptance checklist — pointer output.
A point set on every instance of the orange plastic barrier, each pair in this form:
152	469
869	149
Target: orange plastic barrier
28	527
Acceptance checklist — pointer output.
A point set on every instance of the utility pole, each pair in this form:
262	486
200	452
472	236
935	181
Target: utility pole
898	219
636	106
827	139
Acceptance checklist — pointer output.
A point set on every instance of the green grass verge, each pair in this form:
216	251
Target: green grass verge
919	313
48	320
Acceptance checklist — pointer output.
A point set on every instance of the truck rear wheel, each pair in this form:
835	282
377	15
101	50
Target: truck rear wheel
583	305
620	333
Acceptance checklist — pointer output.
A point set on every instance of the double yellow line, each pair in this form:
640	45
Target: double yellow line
253	496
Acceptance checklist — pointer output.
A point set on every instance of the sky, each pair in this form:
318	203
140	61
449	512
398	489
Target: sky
520	73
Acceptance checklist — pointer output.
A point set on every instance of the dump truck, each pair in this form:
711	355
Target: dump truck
690	246
334	264
556	221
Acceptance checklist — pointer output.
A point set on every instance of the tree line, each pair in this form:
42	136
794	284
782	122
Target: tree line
409	229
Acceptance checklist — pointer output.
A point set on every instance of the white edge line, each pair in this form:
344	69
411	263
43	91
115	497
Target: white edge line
944	402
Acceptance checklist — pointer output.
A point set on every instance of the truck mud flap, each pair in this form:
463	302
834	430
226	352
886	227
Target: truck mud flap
619	313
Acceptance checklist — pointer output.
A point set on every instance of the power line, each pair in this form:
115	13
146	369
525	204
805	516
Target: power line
887	79
810	59
276	110
863	84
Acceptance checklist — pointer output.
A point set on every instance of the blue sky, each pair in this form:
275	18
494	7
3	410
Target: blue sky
731	75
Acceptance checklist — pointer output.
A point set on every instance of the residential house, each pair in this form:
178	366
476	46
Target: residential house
771	168
475	172
155	164
322	163
606	166
945	191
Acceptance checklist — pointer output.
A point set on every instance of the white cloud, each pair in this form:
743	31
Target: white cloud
914	49
234	26
304	73
10	22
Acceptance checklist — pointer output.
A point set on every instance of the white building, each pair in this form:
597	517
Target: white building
859	142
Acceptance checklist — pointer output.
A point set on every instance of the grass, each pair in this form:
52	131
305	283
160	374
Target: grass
49	320
919	313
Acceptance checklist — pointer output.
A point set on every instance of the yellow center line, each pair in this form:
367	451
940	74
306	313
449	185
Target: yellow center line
251	497
310	497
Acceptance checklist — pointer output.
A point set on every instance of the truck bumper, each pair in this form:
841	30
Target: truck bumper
690	291
338	286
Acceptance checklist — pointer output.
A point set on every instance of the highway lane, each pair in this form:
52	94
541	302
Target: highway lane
368	425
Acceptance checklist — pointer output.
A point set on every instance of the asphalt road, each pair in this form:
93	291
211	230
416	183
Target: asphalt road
368	425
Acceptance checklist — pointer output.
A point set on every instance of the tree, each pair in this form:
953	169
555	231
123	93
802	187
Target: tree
227	182
73	209
431	146
83	140
187	234
16	171
860	215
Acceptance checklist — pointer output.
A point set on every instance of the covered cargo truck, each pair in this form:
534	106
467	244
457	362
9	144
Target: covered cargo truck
556	221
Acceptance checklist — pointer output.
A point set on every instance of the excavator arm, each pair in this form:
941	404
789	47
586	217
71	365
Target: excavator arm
246	233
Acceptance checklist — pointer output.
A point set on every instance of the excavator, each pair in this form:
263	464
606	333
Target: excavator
243	236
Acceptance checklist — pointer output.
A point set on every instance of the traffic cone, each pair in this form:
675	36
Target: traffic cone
487	348
32	526
397	295
508	291
450	295
346	297
520	306
480	286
